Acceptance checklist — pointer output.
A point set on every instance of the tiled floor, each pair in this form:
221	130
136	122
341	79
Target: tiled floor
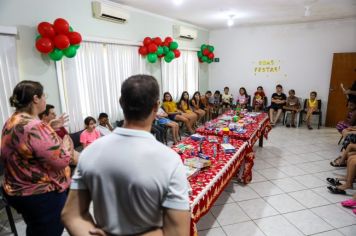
288	194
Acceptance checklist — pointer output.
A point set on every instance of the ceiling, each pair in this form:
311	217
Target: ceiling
213	14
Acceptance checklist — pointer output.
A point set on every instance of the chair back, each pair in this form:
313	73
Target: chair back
76	138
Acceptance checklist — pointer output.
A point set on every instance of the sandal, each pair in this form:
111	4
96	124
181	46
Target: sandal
349	203
335	190
333	181
335	164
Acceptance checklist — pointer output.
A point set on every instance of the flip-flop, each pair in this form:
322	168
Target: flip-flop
349	203
335	190
354	211
332	163
334	181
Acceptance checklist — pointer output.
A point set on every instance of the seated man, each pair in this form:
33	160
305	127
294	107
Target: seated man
137	185
49	116
104	126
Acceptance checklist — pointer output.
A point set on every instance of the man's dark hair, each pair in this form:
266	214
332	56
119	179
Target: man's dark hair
103	115
45	112
207	92
139	95
279	86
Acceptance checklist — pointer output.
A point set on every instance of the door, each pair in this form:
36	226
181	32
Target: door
343	71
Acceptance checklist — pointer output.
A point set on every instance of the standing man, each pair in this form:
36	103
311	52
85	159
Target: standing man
138	186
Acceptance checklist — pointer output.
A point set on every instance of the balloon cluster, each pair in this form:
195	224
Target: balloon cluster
206	53
58	39
155	48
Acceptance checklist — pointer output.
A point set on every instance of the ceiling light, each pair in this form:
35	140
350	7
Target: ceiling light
230	21
177	2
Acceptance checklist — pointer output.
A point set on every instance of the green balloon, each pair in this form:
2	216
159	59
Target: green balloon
200	54
204	58
210	61
211	48
165	49
70	29
76	46
38	37
203	47
56	54
173	45
70	51
167	58
170	55
152	57
159	51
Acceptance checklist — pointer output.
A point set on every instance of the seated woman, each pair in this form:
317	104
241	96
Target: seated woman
183	105
350	119
338	187
162	119
293	106
204	104
342	159
175	114
195	103
351	203
259	99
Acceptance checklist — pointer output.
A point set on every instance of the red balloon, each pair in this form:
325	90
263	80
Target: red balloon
165	44
211	55
157	41
74	38
176	53
46	30
147	41
152	48
200	60
168	40
160	56
44	45
143	51
206	52
61	26
61	41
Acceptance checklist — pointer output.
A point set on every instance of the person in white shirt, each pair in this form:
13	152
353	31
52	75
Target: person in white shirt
227	99
104	126
137	185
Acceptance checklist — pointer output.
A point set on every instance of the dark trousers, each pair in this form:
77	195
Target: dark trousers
41	213
159	132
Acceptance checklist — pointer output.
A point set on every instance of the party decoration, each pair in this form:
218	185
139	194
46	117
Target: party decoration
156	48
206	53
58	39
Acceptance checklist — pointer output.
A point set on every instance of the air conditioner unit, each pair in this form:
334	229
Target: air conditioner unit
184	32
109	11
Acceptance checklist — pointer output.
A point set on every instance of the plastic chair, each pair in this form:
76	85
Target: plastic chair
317	113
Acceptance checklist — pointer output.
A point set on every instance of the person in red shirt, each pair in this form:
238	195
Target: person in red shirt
49	117
259	99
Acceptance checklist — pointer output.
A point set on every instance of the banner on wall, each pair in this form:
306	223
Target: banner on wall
267	68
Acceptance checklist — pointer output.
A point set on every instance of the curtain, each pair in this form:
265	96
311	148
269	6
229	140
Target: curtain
181	74
8	74
92	80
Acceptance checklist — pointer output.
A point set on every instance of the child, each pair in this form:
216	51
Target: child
277	102
259	99
104	126
175	114
215	101
312	106
164	121
204	104
242	98
90	134
293	106
195	103
226	99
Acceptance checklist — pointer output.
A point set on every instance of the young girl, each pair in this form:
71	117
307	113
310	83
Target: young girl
184	106
204	104
242	98
175	114
259	99
227	99
312	106
293	106
90	134
215	102
195	103
163	120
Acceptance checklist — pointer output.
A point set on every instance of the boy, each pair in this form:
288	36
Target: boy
226	98
277	102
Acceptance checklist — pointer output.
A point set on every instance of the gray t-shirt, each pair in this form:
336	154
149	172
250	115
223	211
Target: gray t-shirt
131	177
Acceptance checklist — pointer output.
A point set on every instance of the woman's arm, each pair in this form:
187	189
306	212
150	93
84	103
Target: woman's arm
182	106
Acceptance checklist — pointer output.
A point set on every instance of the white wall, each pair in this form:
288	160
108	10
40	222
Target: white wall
25	15
305	52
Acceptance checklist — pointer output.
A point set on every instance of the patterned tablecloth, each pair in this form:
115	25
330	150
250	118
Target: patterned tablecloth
208	183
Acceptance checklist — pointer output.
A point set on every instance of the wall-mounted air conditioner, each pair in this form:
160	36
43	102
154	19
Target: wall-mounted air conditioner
184	32
109	11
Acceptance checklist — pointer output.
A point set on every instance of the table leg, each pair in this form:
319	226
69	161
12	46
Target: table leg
260	141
